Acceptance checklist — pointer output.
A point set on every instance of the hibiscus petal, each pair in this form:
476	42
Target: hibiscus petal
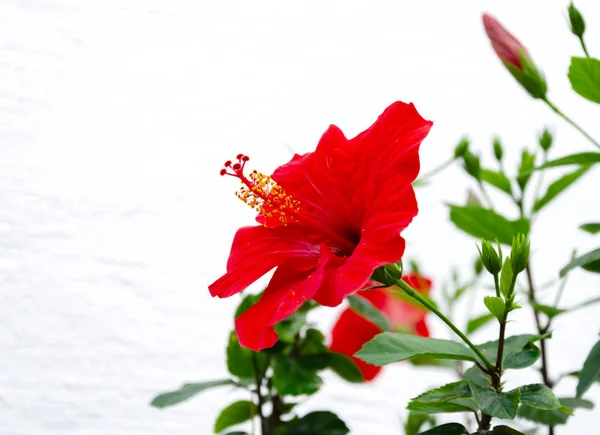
287	291
348	336
257	250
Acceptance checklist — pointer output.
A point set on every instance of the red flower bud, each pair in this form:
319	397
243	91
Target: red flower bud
506	46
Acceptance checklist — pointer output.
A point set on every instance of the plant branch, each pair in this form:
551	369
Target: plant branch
570	121
415	295
583	46
423	178
258	377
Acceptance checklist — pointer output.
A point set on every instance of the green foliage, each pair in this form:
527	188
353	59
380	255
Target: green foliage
558	187
588	259
415	422
590	371
478	322
586	158
506	278
454	397
235	413
288	328
246	303
495	403
505	430
185	392
447	429
472	164
319	422
584	75
496	179
390	347
369	311
547	310
292	377
545	140
519	254
240	360
496	306
344	367
556	416
591	228
539	396
487	224
491	259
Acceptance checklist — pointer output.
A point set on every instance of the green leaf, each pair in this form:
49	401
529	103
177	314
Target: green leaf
556	416
591	228
447	429
487	224
494	403
437	408
505	430
288	328
593	266
495	305
455	390
590	370
547	310
290	378
558	187
581	261
237	433
539	396
246	303
476	323
526	168
390	347
524	358
514	346
235	413
185	392
240	359
496	179
319	422
369	311
415	422
345	367
573	159
584	75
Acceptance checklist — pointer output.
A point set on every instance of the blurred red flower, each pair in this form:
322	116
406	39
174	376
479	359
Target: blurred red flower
352	331
507	47
329	219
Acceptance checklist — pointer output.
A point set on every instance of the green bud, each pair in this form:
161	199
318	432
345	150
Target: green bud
576	21
478	266
519	254
472	165
498	151
389	274
529	76
545	140
461	148
490	258
525	169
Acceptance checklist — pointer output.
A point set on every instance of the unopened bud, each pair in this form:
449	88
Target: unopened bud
472	165
576	21
491	260
545	140
498	151
515	57
478	266
461	148
519	254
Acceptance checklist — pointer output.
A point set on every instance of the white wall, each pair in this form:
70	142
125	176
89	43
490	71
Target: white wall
115	118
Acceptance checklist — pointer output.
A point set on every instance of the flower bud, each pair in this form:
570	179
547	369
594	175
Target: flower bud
472	165
461	148
490	258
478	266
519	254
545	140
498	151
515	57
576	21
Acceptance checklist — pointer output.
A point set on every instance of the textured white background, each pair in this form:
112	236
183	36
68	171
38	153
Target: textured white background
115	117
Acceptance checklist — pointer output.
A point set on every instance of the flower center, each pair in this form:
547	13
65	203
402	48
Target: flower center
261	193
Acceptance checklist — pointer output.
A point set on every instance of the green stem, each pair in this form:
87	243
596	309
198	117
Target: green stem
570	121
435	171
583	46
415	295
497	285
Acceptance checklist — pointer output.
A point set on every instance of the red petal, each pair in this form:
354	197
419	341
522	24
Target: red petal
348	336
286	292
257	250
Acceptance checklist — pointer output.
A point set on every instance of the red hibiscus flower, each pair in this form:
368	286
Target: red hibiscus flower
352	331
329	219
